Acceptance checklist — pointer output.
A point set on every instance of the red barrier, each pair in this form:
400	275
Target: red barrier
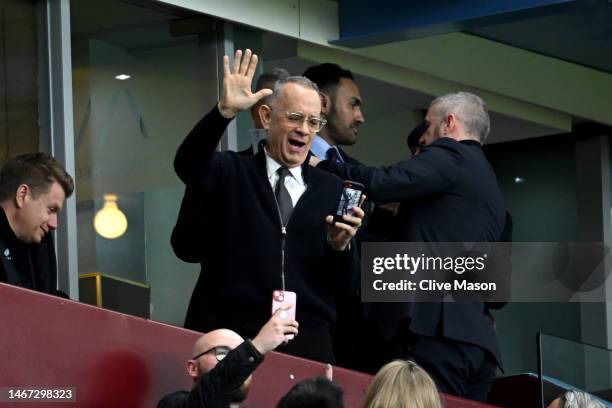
113	360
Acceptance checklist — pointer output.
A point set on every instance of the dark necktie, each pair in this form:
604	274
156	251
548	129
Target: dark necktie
332	155
282	196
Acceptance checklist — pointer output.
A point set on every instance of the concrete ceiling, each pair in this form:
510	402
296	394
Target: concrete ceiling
583	37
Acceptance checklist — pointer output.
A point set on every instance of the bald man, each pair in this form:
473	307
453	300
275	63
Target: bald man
223	362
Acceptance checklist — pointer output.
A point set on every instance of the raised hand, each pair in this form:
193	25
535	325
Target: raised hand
237	81
275	331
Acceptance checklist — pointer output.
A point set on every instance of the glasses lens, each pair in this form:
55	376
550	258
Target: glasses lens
221	353
295	116
314	124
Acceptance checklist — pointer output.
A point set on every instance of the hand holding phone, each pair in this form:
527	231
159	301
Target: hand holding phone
281	299
349	198
341	230
275	332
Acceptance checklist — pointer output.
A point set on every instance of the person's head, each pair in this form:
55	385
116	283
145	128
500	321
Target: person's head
575	399
341	103
211	348
414	138
266	81
402	384
460	116
33	188
291	117
318	392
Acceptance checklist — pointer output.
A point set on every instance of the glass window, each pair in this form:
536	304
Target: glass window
142	77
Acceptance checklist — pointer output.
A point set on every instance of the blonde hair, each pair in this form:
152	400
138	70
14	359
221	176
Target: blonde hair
402	384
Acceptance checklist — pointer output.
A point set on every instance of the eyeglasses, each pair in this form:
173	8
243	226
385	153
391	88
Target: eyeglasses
314	123
220	352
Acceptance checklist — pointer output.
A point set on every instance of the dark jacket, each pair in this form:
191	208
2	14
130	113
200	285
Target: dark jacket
217	388
192	220
449	193
242	243
30	266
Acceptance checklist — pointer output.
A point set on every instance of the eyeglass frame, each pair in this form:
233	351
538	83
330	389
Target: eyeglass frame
226	348
322	122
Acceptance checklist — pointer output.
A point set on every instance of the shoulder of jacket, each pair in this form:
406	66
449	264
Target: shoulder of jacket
325	177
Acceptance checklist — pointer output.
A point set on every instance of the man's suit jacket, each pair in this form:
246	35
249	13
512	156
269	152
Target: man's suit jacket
241	242
193	218
449	193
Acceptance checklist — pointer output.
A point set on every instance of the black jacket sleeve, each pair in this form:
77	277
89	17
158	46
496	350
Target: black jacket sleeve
431	172
202	169
194	159
190	222
217	388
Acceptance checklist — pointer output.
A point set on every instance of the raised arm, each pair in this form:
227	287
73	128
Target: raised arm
430	172
194	157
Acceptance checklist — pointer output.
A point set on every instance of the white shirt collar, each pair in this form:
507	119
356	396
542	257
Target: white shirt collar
272	166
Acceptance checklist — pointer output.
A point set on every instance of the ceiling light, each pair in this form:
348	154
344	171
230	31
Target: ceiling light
123	77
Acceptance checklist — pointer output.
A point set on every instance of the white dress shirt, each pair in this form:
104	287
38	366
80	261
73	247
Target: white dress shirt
295	183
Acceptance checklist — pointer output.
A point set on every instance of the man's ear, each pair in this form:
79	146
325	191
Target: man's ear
325	103
265	115
20	195
192	369
450	123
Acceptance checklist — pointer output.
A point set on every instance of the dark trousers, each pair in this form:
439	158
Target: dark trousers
360	345
460	369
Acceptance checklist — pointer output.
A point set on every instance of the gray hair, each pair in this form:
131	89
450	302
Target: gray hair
300	80
469	108
579	399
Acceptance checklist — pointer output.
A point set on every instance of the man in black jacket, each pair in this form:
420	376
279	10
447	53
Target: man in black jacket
191	215
449	193
269	223
223	362
33	188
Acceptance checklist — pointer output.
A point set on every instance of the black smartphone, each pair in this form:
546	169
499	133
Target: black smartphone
350	197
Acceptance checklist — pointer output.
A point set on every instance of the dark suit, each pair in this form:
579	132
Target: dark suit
244	248
449	193
192	219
